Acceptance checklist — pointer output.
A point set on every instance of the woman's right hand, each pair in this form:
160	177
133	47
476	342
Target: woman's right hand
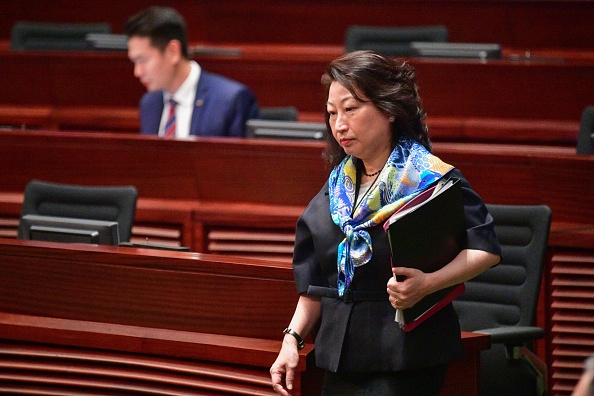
282	371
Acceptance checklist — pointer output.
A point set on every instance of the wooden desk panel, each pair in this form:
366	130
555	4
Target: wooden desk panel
527	174
68	79
146	309
88	357
441	129
112	309
147	288
207	169
285	173
550	88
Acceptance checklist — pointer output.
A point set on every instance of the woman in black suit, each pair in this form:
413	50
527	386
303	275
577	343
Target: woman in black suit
381	157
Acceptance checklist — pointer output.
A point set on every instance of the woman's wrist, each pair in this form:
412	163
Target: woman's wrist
296	336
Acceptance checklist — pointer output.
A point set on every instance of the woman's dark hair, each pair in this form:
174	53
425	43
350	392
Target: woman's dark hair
389	84
161	25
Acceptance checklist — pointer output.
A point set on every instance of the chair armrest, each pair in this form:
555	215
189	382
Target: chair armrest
513	335
514	338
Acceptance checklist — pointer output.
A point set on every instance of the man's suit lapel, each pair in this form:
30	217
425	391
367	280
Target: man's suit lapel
151	114
201	95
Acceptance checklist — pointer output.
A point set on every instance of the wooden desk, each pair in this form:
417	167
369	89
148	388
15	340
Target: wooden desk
553	87
202	189
211	170
152	320
194	177
186	319
208	170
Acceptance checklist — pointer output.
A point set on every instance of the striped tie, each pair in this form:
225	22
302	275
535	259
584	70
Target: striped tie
170	125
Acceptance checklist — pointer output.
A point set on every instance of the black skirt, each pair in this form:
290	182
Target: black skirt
422	382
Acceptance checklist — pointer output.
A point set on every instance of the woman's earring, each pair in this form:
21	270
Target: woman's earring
391	119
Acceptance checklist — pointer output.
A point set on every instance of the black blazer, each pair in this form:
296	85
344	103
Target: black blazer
363	336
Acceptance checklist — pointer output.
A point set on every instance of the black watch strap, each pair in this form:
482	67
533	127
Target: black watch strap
300	342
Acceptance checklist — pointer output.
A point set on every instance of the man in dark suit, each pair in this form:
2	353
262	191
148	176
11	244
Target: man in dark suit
182	98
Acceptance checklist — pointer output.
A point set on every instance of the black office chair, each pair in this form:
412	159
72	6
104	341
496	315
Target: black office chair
53	36
585	141
281	113
502	302
392	41
113	203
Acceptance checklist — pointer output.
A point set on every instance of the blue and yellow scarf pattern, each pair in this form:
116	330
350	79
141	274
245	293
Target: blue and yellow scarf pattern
410	169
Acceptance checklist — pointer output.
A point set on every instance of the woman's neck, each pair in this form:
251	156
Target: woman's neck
370	169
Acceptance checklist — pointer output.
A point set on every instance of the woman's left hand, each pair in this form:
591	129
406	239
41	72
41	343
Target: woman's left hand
406	293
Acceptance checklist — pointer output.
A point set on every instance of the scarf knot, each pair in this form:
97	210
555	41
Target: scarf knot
409	170
360	246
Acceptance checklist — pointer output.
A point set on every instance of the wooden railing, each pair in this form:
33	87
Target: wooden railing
137	319
89	319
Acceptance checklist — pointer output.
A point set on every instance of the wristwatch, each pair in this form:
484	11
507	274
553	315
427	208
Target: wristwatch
300	342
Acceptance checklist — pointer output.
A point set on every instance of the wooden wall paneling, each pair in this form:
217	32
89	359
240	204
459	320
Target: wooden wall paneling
247	230
518	174
117	160
524	24
571	235
572	317
520	131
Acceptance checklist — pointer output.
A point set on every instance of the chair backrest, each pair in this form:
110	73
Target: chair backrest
282	113
507	294
53	36
585	141
113	203
392	41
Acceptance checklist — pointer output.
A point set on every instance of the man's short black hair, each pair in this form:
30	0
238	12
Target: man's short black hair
161	25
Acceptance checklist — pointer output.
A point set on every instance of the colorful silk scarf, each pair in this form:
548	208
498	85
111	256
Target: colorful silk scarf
410	169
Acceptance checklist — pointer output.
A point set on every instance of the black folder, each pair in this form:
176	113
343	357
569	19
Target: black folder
427	233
